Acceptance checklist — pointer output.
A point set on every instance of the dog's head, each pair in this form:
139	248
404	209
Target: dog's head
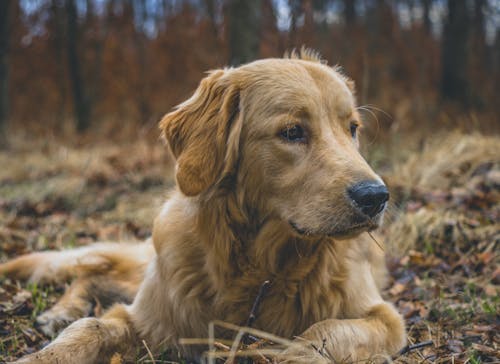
283	132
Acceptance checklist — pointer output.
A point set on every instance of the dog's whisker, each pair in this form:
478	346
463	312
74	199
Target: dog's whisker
378	109
376	119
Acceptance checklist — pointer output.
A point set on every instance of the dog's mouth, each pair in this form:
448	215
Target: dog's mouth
299	230
338	233
354	230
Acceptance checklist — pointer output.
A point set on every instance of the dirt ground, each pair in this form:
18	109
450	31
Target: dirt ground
442	233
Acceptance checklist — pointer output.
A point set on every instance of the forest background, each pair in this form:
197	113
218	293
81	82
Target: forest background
80	64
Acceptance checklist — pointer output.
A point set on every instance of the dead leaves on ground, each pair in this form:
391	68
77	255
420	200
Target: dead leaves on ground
56	198
445	271
446	284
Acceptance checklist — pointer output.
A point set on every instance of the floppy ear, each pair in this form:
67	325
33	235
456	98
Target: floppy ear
203	133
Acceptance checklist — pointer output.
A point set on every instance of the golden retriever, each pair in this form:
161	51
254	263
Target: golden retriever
270	186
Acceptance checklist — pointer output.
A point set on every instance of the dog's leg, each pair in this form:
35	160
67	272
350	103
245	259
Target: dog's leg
40	267
73	305
90	340
105	272
54	266
375	337
83	294
65	265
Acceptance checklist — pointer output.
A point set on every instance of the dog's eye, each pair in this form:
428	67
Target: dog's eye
294	133
354	128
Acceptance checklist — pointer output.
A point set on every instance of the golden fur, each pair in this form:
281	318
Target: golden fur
249	207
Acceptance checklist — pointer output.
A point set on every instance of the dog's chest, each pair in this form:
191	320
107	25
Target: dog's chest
291	309
289	305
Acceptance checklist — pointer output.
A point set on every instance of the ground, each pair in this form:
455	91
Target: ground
442	234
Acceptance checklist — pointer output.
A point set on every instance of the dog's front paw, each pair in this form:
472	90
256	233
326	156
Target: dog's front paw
67	311
302	352
52	322
36	358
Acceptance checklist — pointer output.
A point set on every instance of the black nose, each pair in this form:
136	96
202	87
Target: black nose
370	196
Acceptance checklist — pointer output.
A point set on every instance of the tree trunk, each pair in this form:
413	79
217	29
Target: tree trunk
454	85
479	28
479	31
495	62
141	49
100	33
4	74
350	12
295	11
80	102
427	17
211	9
244	25
57	34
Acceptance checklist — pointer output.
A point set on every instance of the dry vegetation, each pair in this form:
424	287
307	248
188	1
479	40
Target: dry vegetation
442	236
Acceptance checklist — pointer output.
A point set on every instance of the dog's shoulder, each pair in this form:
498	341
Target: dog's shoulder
175	222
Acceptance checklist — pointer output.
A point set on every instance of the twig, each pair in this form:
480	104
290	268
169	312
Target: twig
416	346
211	341
247	338
253	313
376	242
221	343
257	333
462	232
150	354
244	353
221	346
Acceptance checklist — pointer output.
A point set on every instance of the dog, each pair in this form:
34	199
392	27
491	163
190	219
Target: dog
270	186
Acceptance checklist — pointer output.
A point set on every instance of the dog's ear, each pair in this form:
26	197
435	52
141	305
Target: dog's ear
203	133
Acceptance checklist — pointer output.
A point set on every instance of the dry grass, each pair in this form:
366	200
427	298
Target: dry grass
446	161
443	235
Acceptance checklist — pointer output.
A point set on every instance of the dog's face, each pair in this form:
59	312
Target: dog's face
286	132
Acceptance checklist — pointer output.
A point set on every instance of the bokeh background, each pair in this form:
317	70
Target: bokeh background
83	84
115	66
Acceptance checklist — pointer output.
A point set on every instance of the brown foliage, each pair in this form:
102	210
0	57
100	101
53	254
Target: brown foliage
138	62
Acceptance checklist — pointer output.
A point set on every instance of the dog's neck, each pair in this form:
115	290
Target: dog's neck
268	249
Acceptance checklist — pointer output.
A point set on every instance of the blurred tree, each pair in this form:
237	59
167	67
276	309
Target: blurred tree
57	31
244	34
140	44
308	29
93	54
211	9
495	62
80	101
270	41
350	14
479	28
479	57
4	71
295	7
426	15
454	85
129	60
